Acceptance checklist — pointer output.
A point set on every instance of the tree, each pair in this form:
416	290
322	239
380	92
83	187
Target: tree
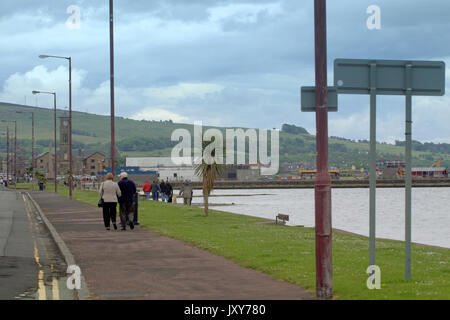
40	177
208	172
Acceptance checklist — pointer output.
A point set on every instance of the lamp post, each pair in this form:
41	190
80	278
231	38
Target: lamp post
70	116
111	53
7	154
54	117
33	165
324	269
15	151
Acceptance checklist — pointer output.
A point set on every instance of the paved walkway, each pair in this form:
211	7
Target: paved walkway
141	264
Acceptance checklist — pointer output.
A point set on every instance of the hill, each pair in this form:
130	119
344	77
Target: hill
152	138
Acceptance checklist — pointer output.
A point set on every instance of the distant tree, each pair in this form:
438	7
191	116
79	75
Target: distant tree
293	129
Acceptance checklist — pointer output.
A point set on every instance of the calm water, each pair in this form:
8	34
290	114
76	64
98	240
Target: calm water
430	210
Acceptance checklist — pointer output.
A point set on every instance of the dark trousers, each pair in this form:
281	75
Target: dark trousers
109	213
126	213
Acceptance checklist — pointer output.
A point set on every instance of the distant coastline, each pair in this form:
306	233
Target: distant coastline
300	184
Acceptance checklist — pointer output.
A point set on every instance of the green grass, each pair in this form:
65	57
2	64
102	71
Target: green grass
288	253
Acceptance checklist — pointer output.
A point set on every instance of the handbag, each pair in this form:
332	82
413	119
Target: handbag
100	202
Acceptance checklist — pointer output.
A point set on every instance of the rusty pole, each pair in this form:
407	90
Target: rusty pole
56	148
324	270
111	61
70	129
15	154
7	156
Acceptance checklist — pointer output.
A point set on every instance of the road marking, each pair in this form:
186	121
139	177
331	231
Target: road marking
42	295
55	289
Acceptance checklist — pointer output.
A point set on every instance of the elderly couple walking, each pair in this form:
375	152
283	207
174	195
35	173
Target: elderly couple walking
123	193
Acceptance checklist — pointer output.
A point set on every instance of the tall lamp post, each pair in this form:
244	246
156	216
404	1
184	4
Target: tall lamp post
70	116
324	269
111	61
7	154
54	116
33	165
15	151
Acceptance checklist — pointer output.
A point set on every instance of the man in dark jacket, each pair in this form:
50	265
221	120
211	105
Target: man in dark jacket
163	188
169	191
128	189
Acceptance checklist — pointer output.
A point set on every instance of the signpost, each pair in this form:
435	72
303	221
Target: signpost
308	99
390	77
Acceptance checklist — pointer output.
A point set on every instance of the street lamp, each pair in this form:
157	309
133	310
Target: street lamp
15	151
111	76
44	56
54	116
33	165
7	156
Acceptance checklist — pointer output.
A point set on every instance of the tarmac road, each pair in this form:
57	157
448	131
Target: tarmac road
31	266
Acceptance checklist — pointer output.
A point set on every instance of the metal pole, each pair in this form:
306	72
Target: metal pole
408	133
70	128
32	152
324	269
111	46
372	163
56	153
15	154
7	156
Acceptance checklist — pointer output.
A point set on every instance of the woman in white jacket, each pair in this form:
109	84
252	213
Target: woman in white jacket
110	193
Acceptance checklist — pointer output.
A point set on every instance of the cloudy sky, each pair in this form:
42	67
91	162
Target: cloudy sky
227	63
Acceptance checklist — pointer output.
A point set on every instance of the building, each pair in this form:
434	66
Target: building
432	172
89	162
183	168
180	170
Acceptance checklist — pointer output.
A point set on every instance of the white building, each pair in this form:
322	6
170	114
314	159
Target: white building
176	169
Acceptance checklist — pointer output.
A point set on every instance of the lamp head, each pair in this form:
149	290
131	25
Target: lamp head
43	56
35	92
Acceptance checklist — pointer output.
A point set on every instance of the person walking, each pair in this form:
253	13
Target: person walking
155	189
163	188
146	188
128	189
169	190
109	192
186	193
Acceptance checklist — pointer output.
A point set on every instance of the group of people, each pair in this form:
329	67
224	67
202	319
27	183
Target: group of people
156	189
121	193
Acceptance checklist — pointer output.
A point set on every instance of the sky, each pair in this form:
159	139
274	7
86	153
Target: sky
225	63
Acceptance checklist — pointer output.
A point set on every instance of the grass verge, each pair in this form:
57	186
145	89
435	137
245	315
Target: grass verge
288	253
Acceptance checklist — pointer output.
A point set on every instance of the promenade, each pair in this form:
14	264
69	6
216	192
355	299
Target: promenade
142	264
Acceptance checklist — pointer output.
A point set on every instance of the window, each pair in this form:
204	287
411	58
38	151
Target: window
92	167
92	160
65	138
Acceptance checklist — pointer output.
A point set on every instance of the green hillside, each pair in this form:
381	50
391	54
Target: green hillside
152	138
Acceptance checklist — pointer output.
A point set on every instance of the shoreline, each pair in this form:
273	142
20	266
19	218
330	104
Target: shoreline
310	184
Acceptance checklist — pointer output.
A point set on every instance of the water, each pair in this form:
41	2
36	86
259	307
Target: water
430	210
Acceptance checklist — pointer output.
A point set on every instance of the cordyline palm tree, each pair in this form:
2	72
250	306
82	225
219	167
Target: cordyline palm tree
208	172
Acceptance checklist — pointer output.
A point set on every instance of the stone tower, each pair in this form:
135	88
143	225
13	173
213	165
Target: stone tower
63	157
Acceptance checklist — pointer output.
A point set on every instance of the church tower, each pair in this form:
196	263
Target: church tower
64	146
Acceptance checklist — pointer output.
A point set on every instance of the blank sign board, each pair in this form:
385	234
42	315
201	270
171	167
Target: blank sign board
352	76
308	97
